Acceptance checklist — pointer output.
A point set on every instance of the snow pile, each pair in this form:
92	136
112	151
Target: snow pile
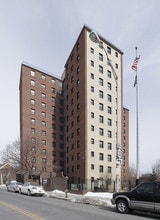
98	199
3	186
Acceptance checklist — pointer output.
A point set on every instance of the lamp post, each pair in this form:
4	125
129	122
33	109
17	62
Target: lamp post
66	191
95	38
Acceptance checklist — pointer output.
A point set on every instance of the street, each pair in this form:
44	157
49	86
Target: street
17	207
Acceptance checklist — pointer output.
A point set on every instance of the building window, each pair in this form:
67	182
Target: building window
92	63
78	82
53	108
78	156
43	160
78	144
33	169
43	95
116	66
43	86
92	140
109	134
33	111
92	127
78	119
109	110
92	166
100	94
43	151
32	73
78	95
78	131
43	123
53	81
33	149
109	122
109	157
32	92
92	50
116	54
43	142
109	86
33	121
109	146
33	131
109	98
33	83
43	77
101	144
78	107
78	70
43	105
101	156
101	131
100	57
72	79
53	99
33	140
101	106
33	159
108	50
78	57
101	169
53	90
92	76
92	101
109	74
100	81
100	69
33	102
92	114
43	133
92	89
100	119
43	114
92	153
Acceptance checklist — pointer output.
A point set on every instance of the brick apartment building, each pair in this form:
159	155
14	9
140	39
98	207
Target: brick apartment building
70	124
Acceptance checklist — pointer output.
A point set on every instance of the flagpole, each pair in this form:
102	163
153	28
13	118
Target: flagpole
137	128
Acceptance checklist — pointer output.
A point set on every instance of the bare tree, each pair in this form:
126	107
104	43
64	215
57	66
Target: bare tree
156	169
11	154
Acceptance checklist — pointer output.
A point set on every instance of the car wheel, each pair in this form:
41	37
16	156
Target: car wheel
29	193
20	191
122	206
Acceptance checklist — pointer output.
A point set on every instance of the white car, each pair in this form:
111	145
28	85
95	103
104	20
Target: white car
32	188
14	186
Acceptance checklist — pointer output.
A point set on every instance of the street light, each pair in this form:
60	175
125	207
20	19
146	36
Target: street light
95	38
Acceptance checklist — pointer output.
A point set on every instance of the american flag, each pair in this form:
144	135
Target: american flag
134	65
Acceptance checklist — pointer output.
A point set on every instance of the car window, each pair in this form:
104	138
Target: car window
146	188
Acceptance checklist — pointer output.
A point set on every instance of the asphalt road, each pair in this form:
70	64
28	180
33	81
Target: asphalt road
21	207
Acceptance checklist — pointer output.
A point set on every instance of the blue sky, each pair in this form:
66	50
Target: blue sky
43	33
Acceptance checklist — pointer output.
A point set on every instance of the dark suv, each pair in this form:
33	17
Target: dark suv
145	197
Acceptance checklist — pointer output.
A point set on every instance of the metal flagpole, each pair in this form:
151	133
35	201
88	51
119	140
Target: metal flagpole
137	127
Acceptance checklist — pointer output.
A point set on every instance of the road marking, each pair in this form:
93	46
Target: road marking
22	211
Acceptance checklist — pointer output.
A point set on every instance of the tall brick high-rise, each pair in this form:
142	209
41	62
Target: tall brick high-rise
73	123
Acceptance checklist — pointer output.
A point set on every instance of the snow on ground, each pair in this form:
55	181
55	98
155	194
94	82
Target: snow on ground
92	198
